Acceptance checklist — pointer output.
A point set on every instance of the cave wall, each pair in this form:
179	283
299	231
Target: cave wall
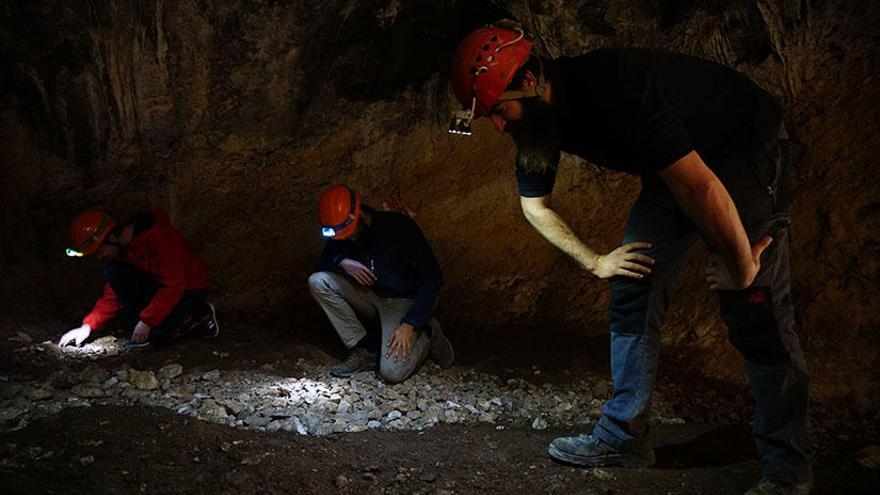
234	115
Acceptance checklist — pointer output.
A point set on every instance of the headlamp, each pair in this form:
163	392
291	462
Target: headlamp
461	122
330	232
73	253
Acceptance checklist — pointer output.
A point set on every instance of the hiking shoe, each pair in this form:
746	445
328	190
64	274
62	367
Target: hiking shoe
767	487
441	349
587	450
359	359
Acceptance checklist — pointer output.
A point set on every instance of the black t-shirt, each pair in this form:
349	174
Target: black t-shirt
639	111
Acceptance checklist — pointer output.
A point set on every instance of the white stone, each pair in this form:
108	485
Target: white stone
540	423
143	380
211	409
170	371
211	376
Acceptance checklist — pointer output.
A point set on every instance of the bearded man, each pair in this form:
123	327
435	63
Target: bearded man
711	152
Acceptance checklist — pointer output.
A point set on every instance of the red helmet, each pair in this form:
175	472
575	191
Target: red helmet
484	65
338	210
87	231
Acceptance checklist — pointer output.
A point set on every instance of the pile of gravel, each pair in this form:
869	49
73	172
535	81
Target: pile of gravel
314	402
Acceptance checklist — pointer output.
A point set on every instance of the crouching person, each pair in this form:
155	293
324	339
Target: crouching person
378	266
153	275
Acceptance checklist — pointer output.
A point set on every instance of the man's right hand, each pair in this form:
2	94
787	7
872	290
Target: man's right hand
719	277
358	271
77	336
624	262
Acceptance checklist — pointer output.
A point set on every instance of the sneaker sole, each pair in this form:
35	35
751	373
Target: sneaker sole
605	460
214	319
129	344
443	342
369	367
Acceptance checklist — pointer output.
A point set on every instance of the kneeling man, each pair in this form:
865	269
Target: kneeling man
378	266
152	274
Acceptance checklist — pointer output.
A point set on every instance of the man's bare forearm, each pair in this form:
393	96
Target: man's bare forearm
553	228
706	201
716	216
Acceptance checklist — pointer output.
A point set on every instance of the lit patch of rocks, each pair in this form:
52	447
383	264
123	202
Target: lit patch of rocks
314	402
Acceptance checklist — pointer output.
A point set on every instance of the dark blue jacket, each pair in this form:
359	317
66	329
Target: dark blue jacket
395	249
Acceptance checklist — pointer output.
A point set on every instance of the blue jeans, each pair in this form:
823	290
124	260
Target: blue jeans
760	319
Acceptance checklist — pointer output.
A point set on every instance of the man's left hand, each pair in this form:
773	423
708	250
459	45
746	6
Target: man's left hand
719	277
400	343
141	333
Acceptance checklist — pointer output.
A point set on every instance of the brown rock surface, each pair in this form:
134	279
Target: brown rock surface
233	116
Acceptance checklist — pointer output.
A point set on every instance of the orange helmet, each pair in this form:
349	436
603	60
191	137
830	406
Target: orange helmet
87	231
484	65
338	210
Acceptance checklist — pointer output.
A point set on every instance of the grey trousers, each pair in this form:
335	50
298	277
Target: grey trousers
347	304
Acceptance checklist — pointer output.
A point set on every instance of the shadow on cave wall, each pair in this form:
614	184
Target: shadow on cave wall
100	101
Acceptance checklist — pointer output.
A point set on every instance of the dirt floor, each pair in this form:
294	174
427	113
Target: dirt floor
114	449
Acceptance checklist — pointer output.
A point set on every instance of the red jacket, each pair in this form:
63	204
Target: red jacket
161	251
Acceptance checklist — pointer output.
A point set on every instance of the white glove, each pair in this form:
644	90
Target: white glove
77	336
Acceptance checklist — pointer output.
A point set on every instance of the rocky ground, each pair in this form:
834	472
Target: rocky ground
311	403
258	414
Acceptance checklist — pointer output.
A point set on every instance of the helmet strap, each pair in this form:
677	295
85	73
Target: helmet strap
535	92
105	220
461	119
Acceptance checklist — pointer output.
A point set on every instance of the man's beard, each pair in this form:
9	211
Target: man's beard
537	135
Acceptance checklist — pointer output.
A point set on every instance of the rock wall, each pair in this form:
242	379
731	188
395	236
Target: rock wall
234	115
